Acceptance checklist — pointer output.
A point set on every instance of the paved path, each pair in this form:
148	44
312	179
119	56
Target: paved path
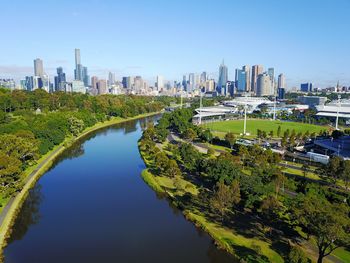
30	176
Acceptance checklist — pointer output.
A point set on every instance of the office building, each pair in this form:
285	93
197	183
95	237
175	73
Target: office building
281	83
190	84
78	86
102	86
281	93
263	87
203	77
138	84
85	76
256	71
94	90
312	101
160	83
60	79
38	67
240	80
246	69
111	79
223	78
306	87
8	83
184	82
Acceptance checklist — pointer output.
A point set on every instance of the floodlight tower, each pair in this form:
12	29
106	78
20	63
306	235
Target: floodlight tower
339	105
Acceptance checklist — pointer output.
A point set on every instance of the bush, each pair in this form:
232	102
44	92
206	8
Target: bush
296	255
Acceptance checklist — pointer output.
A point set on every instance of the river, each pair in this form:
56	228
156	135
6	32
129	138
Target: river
93	206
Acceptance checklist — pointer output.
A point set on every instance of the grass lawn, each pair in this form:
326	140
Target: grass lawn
236	126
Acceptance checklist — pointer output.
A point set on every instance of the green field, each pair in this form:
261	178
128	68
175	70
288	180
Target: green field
236	126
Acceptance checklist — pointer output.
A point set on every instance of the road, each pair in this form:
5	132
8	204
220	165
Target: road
5	210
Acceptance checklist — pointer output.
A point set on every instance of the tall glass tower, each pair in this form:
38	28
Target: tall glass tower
223	77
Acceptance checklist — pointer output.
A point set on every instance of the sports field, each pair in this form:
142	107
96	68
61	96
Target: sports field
236	126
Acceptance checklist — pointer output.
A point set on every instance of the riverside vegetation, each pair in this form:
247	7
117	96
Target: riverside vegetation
243	199
32	124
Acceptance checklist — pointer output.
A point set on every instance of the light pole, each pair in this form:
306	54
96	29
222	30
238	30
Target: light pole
200	106
336	122
245	118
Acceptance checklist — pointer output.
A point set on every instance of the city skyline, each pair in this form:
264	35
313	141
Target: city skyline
319	55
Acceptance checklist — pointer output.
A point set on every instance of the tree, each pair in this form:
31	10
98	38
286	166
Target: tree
161	162
76	125
279	131
296	255
243	153
225	197
10	169
207	136
328	223
271	134
345	175
190	134
333	168
230	138
172	169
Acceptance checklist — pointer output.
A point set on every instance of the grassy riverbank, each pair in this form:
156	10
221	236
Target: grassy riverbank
225	238
34	172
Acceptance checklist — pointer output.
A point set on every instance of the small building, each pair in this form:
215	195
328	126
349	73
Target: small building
312	101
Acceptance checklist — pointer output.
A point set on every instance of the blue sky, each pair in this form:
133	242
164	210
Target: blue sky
307	40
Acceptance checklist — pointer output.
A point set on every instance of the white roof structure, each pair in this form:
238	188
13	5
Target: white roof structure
332	109
251	102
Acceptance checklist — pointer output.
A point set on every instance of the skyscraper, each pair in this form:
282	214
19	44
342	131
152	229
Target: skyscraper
160	83
306	87
111	78
240	80
60	79
203	77
85	76
190	84
263	85
38	67
94	89
281	81
78	72
102	86
246	69
184	82
223	77
281	86
256	71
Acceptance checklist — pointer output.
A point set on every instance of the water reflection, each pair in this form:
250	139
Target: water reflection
28	215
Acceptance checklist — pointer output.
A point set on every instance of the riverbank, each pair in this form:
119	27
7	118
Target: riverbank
230	241
34	172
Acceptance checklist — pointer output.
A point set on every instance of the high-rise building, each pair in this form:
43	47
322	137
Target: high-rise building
306	87
78	72
60	79
38	67
160	83
223	77
203	78
111	78
240	80
78	86
138	84
190	85
263	85
281	81
102	86
246	69
184	82
85	76
256	71
94	89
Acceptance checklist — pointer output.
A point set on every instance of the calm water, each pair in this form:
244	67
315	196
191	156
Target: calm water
93	206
